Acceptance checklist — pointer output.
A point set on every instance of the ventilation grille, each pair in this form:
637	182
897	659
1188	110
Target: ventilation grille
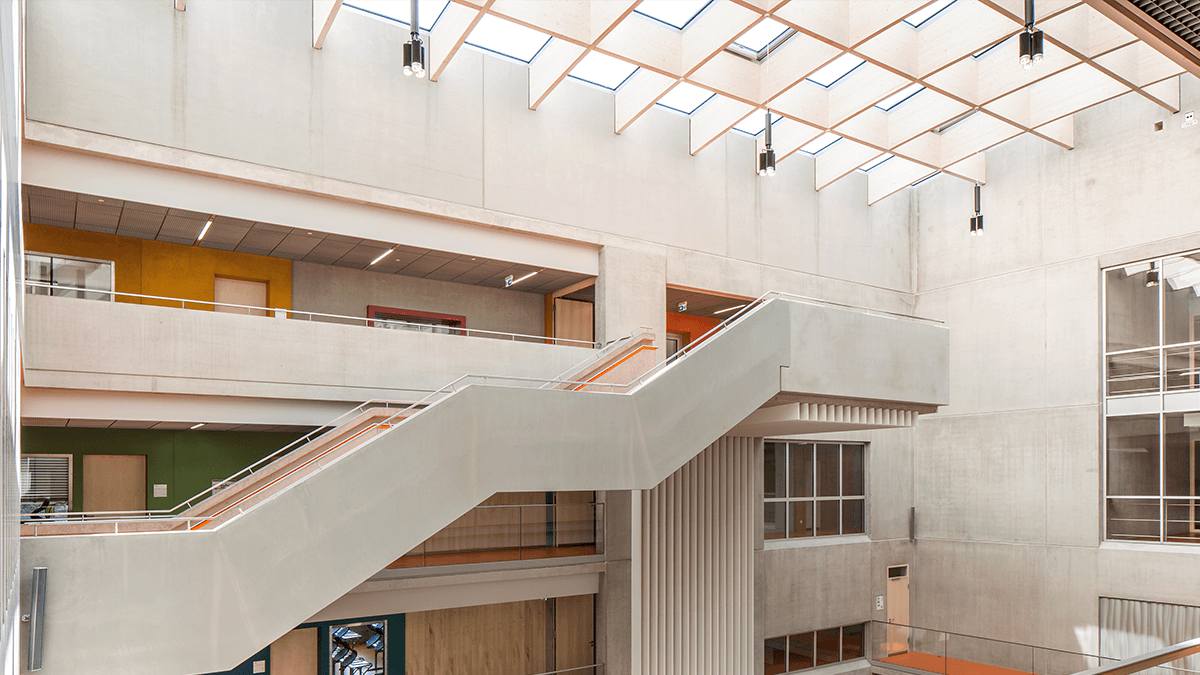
46	477
847	414
1181	17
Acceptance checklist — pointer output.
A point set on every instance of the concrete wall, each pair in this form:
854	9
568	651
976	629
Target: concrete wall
1007	479
339	290
240	81
139	348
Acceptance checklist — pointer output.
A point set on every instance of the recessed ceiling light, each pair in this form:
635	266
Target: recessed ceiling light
382	256
196	426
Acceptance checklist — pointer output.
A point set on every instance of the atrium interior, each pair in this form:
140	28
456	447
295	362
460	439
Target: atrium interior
599	337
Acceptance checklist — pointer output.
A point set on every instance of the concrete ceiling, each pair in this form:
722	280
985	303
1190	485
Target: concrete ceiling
154	424
700	303
46	206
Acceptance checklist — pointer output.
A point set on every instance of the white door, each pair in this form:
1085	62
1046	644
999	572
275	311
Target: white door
238	292
897	609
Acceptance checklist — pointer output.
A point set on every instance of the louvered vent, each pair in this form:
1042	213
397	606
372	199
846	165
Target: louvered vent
46	477
1181	17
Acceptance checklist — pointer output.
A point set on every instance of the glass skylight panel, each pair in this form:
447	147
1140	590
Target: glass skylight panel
899	97
603	70
755	122
876	162
835	70
935	173
685	98
398	10
505	37
675	13
762	34
820	143
922	15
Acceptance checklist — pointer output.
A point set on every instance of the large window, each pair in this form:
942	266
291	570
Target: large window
813	489
1152	388
67	277
792	653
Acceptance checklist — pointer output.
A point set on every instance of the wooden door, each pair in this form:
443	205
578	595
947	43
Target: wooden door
295	653
239	292
114	482
897	609
573	320
574	632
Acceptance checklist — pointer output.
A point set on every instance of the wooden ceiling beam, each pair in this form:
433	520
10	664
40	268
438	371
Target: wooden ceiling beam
450	32
323	14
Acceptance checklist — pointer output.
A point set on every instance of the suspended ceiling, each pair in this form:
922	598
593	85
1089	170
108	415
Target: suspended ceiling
950	82
108	215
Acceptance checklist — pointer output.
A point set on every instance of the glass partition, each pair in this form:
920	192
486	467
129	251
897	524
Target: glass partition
494	533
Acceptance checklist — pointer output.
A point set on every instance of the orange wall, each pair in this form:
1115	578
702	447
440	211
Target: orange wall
158	268
691	326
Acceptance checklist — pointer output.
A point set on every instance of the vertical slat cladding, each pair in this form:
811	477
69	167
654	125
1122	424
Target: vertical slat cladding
685	577
644	562
697	564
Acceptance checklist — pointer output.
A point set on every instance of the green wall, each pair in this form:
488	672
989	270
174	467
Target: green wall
187	461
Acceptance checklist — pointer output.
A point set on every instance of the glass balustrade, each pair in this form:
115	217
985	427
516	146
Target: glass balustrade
512	532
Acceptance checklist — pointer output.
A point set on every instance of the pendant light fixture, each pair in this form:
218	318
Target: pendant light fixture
1152	276
1031	40
766	158
414	51
977	219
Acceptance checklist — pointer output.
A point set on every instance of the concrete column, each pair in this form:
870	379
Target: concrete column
615	607
631	291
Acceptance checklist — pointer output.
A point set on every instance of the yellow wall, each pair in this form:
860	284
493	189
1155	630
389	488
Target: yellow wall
170	270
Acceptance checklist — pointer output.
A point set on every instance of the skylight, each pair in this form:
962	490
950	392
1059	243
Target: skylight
922	15
935	173
876	162
685	98
820	143
835	70
762	34
398	10
674	13
603	70
507	38
899	97
755	122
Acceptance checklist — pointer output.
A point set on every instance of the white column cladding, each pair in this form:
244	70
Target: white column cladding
697	565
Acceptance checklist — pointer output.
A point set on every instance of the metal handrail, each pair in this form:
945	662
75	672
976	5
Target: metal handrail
762	300
274	312
1120	667
1142	662
610	347
441	394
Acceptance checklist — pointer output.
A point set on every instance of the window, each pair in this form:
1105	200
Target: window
46	483
67	277
813	489
1152	400
409	319
792	653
